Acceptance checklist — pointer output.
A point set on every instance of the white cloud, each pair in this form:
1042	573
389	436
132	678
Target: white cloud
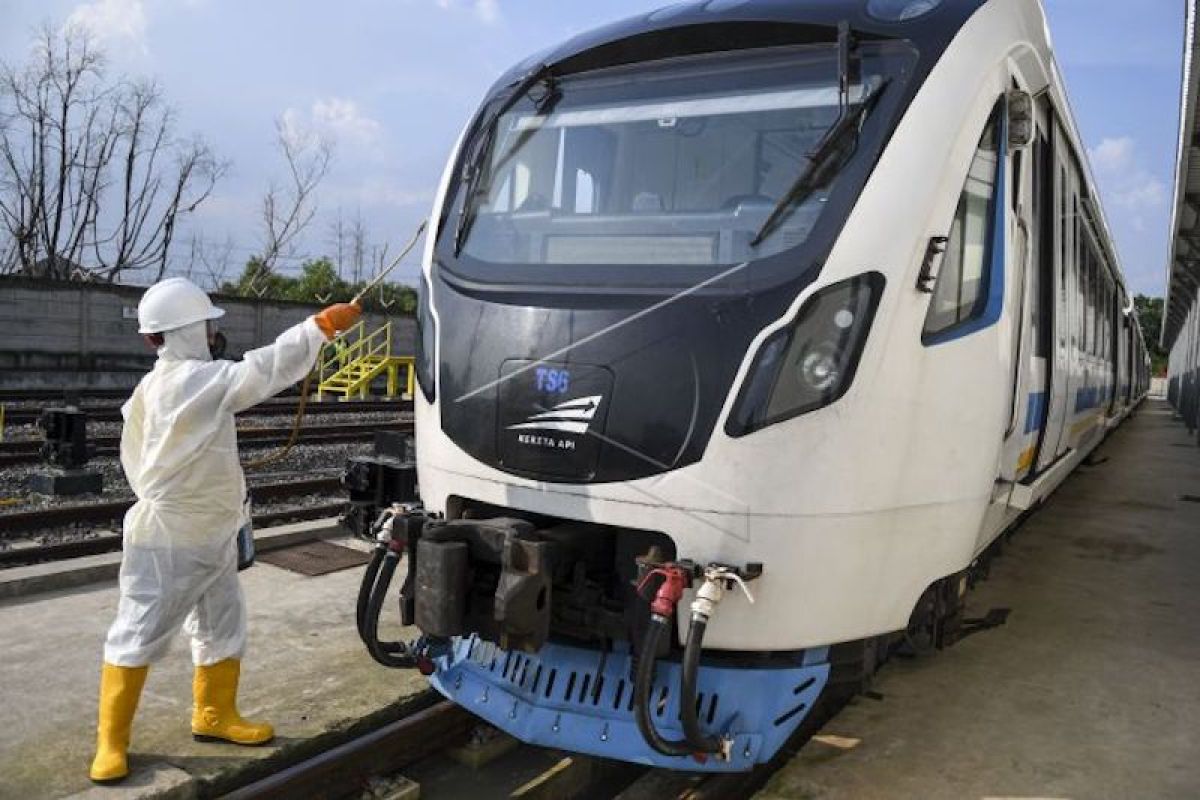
488	11
380	191
1146	192
344	120
294	129
336	119
1126	183
1112	154
112	21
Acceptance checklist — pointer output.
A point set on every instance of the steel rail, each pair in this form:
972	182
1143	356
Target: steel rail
26	451
343	770
107	413
90	513
107	543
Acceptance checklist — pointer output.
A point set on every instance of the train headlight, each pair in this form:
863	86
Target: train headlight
819	367
810	363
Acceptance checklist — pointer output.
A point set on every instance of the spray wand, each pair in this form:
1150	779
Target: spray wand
395	263
307	386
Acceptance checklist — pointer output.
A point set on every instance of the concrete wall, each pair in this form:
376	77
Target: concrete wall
1183	368
74	334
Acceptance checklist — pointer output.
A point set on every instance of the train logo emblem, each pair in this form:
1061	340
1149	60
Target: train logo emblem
573	416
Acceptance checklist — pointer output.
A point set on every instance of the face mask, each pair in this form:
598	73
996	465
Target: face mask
216	345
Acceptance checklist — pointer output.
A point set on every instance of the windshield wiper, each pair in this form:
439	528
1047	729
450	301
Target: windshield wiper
821	161
543	106
475	168
822	165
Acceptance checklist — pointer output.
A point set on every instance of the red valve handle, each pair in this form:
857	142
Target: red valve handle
669	591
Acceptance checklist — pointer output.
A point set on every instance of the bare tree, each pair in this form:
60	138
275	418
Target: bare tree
152	195
379	262
8	256
91	169
287	211
215	259
337	237
358	247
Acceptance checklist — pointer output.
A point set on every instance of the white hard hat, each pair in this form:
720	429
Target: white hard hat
173	303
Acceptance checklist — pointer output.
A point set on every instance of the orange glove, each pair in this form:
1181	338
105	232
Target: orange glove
338	317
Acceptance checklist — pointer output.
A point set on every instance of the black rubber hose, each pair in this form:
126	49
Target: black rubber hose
698	740
365	589
389	654
641	692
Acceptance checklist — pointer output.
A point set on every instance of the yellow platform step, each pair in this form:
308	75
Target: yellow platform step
351	363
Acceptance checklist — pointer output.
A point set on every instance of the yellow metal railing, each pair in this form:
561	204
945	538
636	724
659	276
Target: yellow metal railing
354	345
349	363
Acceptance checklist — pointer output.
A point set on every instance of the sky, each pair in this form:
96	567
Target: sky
392	82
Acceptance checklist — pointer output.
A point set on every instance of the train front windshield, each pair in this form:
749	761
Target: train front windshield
680	162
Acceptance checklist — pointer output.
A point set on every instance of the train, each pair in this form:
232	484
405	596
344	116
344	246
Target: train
744	328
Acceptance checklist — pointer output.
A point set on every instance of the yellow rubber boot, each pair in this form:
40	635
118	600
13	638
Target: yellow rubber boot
214	714
120	688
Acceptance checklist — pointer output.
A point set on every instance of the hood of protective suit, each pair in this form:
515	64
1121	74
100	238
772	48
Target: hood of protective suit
189	343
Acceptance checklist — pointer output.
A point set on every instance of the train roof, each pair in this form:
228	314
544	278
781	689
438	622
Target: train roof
1183	266
930	31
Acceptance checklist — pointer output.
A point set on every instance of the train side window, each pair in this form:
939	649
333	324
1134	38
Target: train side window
1062	239
1105	318
961	292
1089	301
1064	311
1077	253
1095	301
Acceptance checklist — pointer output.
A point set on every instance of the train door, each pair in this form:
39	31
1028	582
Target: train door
1057	418
1042	302
1122	352
1111	318
1025	200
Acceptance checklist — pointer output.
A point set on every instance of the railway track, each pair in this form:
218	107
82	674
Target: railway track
111	543
96	513
347	769
14	395
112	413
20	522
25	451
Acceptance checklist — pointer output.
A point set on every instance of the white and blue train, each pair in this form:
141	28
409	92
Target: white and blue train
745	327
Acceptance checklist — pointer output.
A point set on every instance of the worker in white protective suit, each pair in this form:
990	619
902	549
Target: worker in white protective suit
179	568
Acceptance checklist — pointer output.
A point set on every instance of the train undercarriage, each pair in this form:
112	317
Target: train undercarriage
567	634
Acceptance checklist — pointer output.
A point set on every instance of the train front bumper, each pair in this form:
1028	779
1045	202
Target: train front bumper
581	700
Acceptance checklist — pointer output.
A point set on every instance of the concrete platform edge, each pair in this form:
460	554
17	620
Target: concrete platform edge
166	781
39	578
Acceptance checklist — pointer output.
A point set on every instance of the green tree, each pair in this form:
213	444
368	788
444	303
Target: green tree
392	298
1150	313
319	283
257	280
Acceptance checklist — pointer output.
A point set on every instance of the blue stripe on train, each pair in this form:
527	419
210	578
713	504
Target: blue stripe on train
1090	397
1033	414
1086	399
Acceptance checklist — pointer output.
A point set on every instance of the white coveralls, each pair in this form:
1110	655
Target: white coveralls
179	452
